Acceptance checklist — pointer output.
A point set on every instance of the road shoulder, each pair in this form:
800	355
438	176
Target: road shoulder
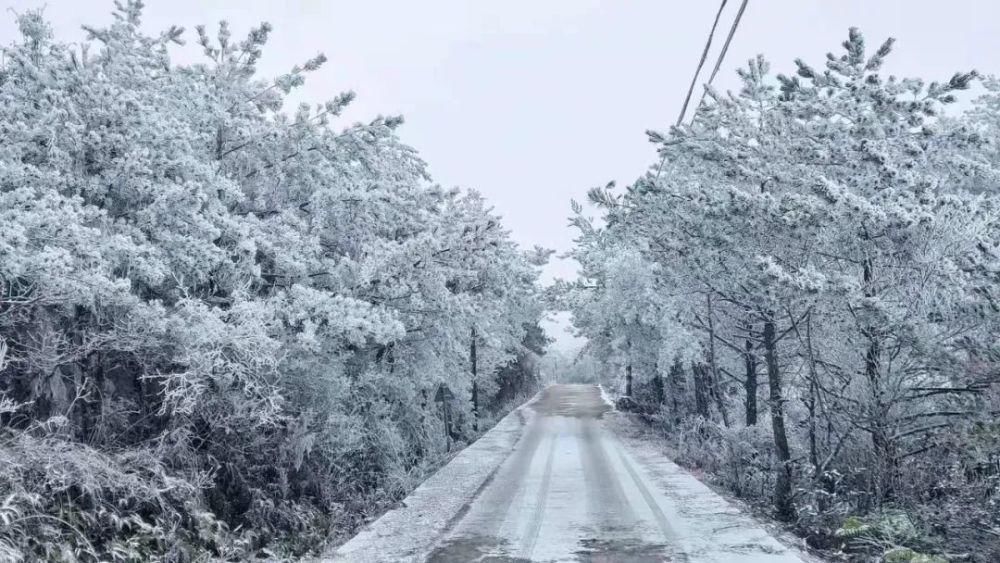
407	533
709	521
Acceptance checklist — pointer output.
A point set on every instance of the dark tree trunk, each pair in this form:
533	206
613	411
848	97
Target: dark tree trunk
658	385
475	382
714	387
716	393
784	509
750	383
677	389
628	368
423	406
699	372
884	466
628	379
812	403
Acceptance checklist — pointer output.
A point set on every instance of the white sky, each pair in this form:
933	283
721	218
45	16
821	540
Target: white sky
532	102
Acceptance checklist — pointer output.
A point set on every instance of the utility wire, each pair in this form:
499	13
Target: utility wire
725	49
704	55
715	70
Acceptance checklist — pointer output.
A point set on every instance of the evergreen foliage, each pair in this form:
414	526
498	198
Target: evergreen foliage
222	325
815	254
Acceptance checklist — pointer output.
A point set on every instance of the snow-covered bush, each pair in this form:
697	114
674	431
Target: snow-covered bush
739	458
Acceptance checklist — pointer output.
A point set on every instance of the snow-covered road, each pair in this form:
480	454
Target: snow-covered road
571	490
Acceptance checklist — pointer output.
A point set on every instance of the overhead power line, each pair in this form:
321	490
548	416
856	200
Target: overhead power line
704	55
701	63
725	48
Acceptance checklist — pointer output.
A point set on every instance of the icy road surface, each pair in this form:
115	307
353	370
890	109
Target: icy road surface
571	490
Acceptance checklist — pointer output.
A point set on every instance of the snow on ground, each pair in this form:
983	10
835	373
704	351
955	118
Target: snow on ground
709	527
573	490
562	479
606	397
407	533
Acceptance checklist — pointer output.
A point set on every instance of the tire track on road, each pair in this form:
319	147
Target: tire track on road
661	518
606	498
494	502
535	525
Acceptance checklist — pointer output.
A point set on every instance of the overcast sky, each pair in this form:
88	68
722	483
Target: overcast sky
532	102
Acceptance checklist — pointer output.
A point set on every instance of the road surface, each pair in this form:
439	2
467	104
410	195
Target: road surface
571	490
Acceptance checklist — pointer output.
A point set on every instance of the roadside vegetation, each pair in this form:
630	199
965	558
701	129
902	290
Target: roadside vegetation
803	294
228	328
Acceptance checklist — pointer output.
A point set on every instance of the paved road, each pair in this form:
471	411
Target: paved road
573	491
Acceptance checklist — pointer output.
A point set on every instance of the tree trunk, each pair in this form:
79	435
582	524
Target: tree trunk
812	403
784	509
750	383
714	387
884	465
658	385
716	392
699	372
475	382
676	389
446	415
628	379
423	404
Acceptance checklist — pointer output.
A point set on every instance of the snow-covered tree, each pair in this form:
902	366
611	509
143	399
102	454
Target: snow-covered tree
837	229
257	304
